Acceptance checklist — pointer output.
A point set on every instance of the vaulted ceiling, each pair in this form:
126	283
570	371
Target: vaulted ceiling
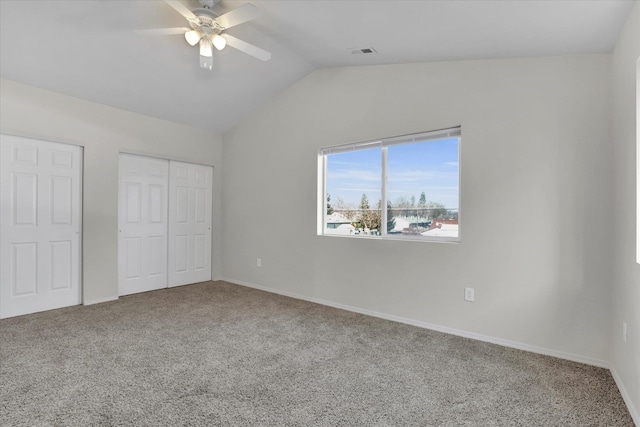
89	48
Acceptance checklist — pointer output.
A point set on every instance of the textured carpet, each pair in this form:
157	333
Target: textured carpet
222	354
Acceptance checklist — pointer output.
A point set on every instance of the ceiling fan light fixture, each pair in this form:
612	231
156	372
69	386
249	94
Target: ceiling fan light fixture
205	47
206	62
219	42
193	37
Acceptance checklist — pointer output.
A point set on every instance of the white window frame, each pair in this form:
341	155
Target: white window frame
384	143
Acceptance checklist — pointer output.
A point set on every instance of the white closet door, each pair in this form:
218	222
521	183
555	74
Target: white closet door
142	224
189	223
40	225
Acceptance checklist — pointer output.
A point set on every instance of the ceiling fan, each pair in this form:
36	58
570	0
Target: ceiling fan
208	30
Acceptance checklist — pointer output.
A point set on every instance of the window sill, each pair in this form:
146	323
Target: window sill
455	240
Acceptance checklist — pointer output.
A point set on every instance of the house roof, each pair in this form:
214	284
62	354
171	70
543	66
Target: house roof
447	230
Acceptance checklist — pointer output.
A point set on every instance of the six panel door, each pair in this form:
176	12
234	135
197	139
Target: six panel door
142	224
189	223
40	225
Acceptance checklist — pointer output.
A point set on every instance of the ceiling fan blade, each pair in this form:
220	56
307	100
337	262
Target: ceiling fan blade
247	48
163	31
244	13
181	9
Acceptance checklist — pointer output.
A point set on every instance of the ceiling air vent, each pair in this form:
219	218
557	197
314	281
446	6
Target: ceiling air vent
363	51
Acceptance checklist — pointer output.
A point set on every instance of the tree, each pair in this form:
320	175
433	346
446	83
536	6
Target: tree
363	213
413	201
346	209
329	208
436	210
391	220
364	201
368	218
423	200
401	206
376	218
422	211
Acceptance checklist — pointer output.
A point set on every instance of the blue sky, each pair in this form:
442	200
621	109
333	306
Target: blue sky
431	167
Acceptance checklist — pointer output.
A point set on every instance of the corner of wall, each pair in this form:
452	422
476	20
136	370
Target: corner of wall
626	272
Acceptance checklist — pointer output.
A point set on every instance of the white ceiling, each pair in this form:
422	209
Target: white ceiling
88	49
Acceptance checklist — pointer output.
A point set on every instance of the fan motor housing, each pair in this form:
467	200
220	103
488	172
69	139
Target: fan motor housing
206	21
207	3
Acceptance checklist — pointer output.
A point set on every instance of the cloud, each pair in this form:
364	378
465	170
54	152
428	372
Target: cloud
410	176
355	175
422	176
360	189
354	164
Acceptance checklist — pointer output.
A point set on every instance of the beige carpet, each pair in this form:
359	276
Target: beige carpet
222	354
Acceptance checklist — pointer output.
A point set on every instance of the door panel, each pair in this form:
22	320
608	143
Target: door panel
24	259
157	255
40	225
60	265
190	203
181	252
24	197
143	224
61	189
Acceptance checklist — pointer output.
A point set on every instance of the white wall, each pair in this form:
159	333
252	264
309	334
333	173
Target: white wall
626	277
104	132
536	197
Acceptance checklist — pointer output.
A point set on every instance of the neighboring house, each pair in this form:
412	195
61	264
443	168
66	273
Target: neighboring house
336	219
443	228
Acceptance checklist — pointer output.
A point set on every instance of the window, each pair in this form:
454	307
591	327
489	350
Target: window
405	187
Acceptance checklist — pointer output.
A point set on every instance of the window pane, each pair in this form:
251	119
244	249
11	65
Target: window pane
422	189
353	185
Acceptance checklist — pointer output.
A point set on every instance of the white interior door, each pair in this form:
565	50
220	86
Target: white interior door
40	225
190	190
142	224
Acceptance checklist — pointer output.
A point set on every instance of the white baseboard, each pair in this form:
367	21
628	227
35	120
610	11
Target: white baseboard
625	396
99	300
506	343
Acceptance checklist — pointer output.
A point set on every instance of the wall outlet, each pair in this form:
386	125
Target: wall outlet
624	331
468	294
259	262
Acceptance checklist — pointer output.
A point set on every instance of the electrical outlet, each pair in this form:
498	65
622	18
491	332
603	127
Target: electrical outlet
624	331
259	262
468	294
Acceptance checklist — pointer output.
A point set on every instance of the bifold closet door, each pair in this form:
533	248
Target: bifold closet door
190	190
142	224
40	225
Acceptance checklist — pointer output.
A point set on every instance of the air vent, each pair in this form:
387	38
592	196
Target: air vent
363	51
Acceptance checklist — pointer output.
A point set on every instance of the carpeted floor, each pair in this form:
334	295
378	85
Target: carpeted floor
222	354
